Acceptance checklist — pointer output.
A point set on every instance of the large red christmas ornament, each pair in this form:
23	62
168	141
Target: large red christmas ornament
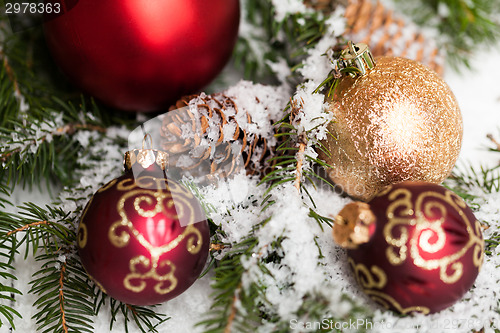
142	238
143	55
415	247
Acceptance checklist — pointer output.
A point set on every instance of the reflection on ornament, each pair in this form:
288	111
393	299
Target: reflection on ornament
425	252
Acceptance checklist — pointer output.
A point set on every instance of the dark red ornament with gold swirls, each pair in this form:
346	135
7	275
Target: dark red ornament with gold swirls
143	238
415	247
142	55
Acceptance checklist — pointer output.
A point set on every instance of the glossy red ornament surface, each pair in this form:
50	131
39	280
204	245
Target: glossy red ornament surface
425	253
143	241
142	55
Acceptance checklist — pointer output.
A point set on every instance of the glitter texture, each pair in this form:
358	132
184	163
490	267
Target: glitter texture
398	122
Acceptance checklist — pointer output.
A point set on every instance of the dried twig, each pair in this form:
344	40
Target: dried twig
296	108
232	315
27	226
217	246
495	142
61	298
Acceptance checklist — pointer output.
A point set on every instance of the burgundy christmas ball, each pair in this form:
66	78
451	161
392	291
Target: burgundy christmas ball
142	55
415	247
143	239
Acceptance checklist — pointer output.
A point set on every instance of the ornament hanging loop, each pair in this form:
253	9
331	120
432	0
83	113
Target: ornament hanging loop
357	56
139	159
146	136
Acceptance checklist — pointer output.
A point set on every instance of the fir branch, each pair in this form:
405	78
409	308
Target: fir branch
68	129
4	191
65	296
494	141
63	302
321	219
290	38
10	73
333	79
300	162
218	246
61	298
295	109
7	292
234	310
9	89
144	317
224	315
47	149
293	167
27	226
463	26
40	227
466	177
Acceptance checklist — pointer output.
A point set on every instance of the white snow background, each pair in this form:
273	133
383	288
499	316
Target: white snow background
478	94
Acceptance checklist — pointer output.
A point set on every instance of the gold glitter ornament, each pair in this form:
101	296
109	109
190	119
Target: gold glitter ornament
400	121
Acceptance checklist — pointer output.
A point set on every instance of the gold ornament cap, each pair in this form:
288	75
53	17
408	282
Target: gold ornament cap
358	56
354	225
145	157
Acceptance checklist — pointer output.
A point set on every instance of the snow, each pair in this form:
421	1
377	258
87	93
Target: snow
264	105
236	211
284	8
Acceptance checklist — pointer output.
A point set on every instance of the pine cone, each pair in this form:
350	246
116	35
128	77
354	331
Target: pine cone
384	32
388	34
203	139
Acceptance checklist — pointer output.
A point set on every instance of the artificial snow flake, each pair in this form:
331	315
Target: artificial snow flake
285	8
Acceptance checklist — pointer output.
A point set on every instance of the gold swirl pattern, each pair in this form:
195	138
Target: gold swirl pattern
166	283
109	185
123	230
375	278
402	215
397	251
82	227
388	301
82	235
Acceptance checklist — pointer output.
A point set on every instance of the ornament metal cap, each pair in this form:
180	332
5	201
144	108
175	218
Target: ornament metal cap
354	225
358	56
145	157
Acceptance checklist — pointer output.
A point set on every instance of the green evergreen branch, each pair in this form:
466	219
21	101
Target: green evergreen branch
291	167
464	178
65	296
38	226
7	293
4	191
467	178
8	89
46	149
144	318
333	79
290	38
238	308
465	25
225	314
